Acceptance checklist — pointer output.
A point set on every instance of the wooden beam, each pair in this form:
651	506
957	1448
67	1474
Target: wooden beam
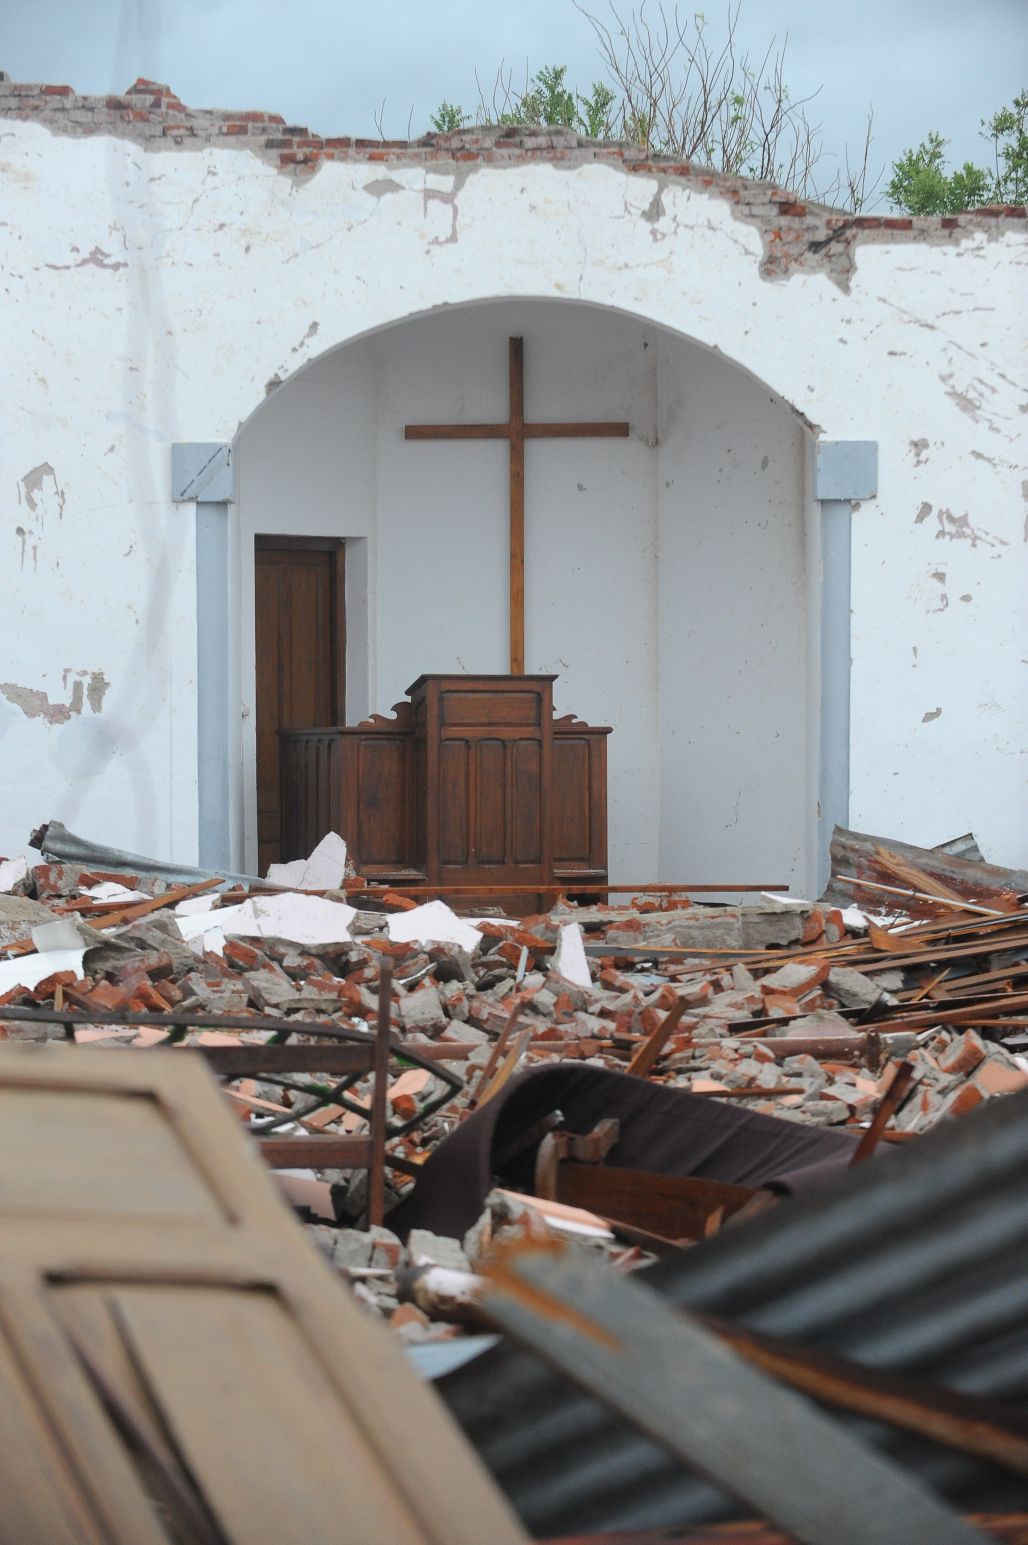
613	431
517	506
316	1152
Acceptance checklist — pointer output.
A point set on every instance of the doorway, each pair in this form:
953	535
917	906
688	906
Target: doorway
300	641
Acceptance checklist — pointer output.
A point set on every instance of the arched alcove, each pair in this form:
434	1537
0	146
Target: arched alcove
667	576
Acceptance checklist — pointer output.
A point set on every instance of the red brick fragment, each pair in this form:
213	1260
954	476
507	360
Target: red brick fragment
244	955
965	1054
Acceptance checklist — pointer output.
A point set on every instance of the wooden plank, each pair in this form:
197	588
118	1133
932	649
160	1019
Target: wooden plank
456	431
329	1057
316	1152
379	1092
591	431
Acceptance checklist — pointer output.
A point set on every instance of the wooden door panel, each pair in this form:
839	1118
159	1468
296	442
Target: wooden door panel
571	801
491	802
526	799
194	1376
299	655
454	798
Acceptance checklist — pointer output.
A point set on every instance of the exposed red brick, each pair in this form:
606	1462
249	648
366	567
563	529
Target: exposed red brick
233	128
792	209
996	1076
892	223
964	1055
960	1102
244	955
58	91
339	142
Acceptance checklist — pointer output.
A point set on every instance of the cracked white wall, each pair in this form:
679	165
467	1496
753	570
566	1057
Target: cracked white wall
152	298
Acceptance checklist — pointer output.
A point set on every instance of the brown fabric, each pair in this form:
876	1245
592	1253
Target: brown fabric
667	1131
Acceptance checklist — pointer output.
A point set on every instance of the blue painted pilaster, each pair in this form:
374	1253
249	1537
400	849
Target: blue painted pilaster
845	471
203	474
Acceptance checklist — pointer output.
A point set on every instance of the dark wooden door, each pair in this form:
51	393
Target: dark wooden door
300	659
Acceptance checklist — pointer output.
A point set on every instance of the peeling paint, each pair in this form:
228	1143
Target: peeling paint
923	513
958	528
308	335
36	492
96	690
98	258
932	714
919	449
435	195
381	187
34	703
654	210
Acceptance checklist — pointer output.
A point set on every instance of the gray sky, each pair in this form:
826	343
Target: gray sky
923	64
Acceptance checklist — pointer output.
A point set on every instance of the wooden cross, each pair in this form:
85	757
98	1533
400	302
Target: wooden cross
515	431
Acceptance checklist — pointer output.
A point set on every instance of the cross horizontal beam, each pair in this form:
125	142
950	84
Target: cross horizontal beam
602	431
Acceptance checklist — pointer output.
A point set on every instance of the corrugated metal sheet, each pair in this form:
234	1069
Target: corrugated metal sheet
916	1262
859	855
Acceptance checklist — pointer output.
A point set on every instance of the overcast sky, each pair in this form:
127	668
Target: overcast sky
330	64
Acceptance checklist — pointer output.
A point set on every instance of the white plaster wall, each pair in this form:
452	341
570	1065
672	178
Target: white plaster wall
737	630
150	298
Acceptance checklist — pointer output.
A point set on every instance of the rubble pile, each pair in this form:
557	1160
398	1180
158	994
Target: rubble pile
800	1011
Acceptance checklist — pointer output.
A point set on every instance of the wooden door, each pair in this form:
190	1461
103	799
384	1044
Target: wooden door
301	660
177	1364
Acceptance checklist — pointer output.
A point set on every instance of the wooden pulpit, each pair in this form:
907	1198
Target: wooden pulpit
471	783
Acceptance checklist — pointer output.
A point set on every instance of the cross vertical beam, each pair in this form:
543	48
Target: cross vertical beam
515	431
516	411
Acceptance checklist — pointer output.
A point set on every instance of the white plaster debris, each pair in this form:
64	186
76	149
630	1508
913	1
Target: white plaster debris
300	919
61	934
571	962
30	970
12	870
195	904
110	890
433	923
324	870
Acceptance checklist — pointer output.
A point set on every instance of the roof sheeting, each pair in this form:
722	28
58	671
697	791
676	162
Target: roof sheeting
918	1263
